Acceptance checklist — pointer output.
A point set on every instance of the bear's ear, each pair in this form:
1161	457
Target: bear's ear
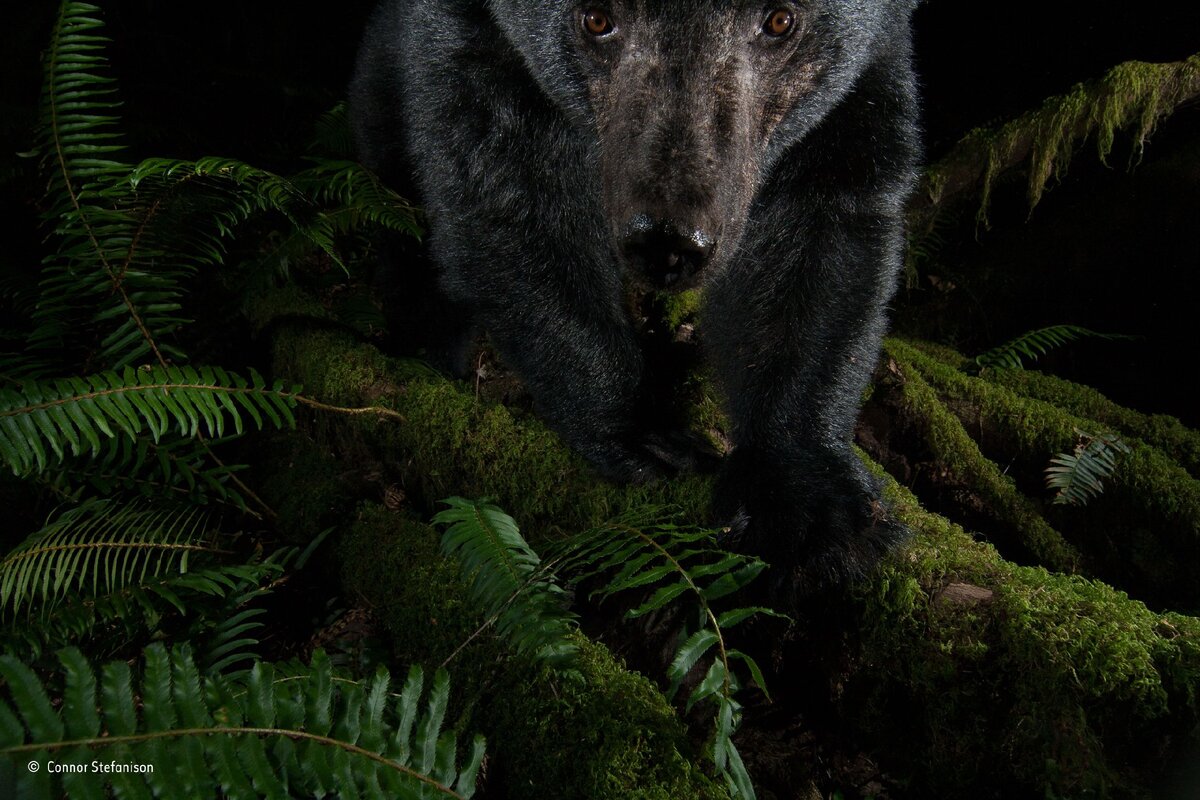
545	33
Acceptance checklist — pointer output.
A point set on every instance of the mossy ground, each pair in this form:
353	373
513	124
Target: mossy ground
1038	682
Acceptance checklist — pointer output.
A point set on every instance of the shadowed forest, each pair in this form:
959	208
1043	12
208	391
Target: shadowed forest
253	543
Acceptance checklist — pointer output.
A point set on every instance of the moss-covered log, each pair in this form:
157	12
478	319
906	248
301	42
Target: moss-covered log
1143	532
970	670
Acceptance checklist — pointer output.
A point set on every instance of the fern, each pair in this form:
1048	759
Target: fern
228	634
174	466
349	200
332	136
1079	476
507	579
648	553
45	419
78	142
100	547
131	237
278	738
109	621
1037	343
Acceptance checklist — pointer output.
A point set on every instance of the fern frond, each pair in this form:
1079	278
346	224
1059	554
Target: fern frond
204	737
1079	476
651	553
229	635
93	268
332	137
1037	343
175	466
100	546
80	120
108	622
352	202
507	579
43	420
353	196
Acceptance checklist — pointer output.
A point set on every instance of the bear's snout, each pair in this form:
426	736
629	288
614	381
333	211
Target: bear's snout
664	253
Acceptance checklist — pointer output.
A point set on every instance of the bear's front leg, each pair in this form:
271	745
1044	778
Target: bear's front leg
794	327
583	368
542	284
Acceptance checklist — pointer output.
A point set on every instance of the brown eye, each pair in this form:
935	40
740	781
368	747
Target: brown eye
779	22
597	23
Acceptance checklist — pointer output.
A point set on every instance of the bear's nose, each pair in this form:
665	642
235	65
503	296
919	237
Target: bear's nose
666	254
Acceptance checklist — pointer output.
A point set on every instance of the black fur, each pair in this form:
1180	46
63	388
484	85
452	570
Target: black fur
683	146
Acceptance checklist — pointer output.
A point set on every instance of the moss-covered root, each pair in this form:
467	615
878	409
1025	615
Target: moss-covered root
958	453
978	672
1144	529
1165	432
1022	678
603	734
452	443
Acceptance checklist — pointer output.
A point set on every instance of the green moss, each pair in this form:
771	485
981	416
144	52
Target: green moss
395	562
263	308
610	735
1052	684
1133	96
680	307
1166	433
455	444
1145	524
958	453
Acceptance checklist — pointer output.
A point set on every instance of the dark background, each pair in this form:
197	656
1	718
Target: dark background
1110	249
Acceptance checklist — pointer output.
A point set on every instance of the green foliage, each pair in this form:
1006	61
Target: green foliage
306	734
92	283
97	547
1037	343
507	579
77	412
131	237
652	554
1079	476
173	467
109	621
649	553
125	438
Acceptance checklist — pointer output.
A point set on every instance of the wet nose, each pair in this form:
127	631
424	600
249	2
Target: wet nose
666	254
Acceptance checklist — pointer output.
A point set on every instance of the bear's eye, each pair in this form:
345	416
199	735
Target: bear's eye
779	23
597	23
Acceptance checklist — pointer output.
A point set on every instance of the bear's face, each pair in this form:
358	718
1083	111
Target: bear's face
690	102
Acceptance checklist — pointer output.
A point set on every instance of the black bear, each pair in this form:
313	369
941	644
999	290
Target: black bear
761	152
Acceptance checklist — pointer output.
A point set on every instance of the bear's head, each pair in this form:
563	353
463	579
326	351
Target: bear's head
691	102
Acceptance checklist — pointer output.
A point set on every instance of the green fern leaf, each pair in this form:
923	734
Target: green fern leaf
109	621
51	417
507	580
99	547
690	652
174	466
1079	476
650	552
224	738
1037	343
